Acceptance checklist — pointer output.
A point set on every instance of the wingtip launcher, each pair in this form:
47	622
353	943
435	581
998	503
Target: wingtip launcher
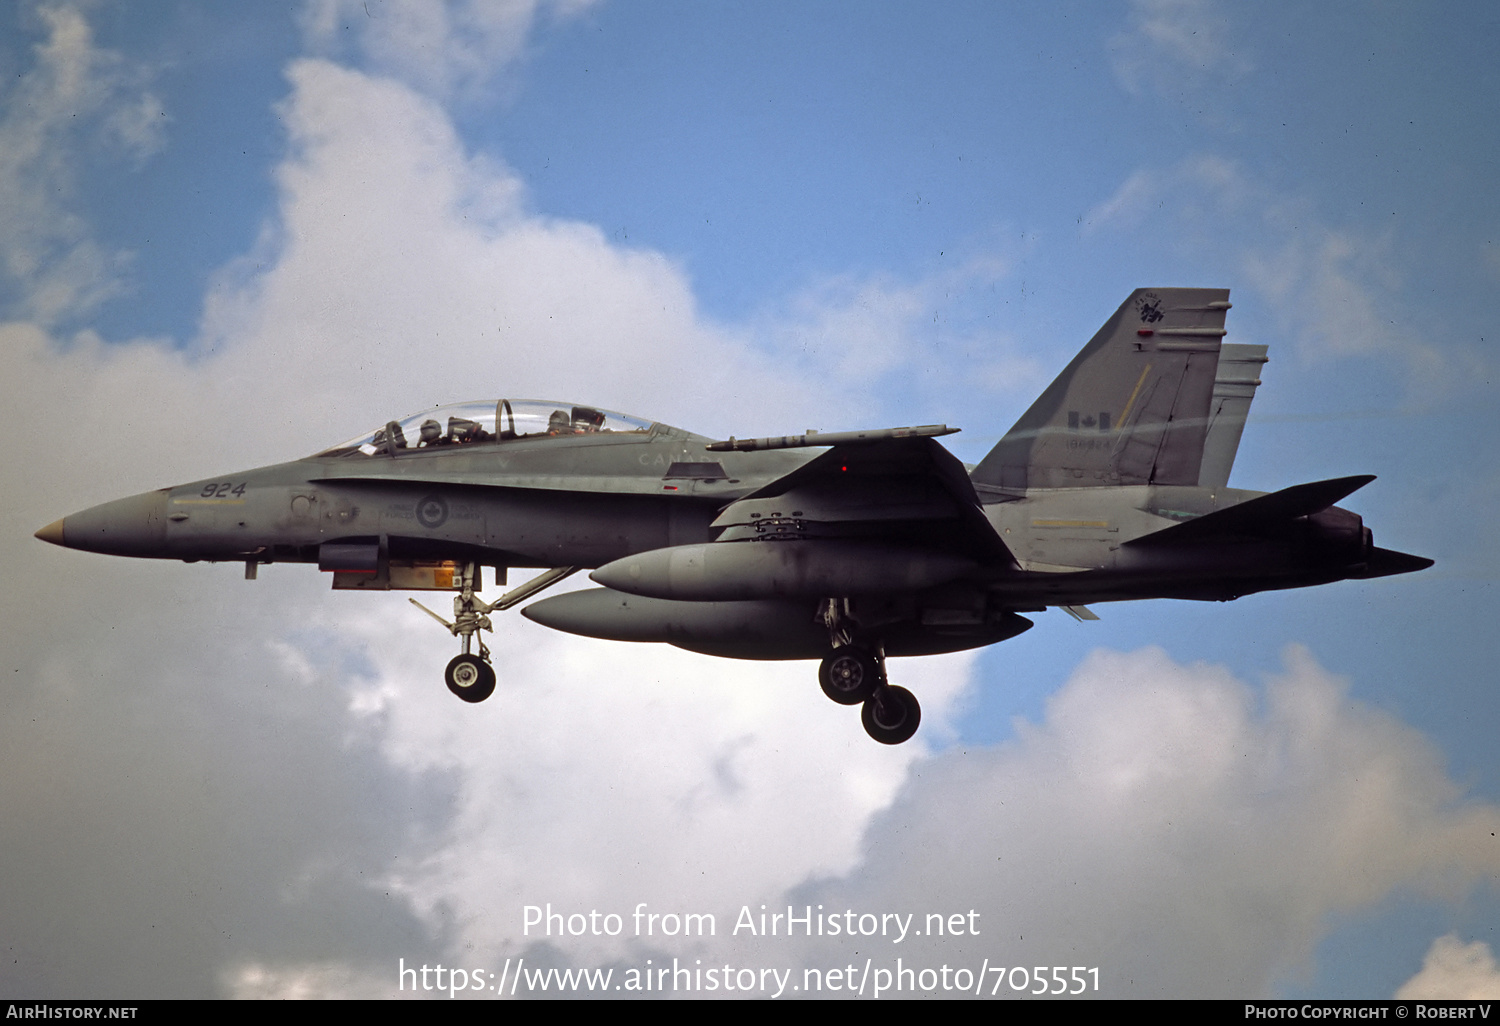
829	438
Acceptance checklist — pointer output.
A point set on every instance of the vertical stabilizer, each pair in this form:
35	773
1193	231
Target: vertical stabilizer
1234	388
1132	407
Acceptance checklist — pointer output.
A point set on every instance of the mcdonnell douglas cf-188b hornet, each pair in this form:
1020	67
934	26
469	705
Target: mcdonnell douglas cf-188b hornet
1112	486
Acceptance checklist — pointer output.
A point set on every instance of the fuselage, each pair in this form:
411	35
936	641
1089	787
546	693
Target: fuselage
589	499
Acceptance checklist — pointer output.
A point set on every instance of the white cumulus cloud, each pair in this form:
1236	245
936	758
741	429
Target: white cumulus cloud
76	99
1188	834
1454	971
444	48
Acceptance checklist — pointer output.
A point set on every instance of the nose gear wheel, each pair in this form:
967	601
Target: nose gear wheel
470	678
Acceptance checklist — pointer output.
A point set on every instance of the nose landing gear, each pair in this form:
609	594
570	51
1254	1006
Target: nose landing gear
472	677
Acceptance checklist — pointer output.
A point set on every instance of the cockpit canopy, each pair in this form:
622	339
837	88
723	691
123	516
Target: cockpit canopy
487	422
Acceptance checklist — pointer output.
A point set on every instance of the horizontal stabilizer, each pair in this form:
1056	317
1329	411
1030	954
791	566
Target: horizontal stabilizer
1263	515
1389	562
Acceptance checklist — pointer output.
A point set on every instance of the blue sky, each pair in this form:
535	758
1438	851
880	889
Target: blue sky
232	237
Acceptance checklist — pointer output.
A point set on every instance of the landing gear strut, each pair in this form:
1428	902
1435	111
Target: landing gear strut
852	674
468	676
471	677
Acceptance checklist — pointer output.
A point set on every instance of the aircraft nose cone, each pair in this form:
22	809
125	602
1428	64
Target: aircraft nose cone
126	527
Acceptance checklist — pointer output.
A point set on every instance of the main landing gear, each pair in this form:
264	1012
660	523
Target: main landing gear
469	676
891	715
854	675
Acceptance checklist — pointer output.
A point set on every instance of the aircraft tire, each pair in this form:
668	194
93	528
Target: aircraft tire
891	715
470	678
849	675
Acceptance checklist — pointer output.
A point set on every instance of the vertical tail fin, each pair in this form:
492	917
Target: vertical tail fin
1132	407
1234	389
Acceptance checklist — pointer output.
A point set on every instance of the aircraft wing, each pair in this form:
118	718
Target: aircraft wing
896	489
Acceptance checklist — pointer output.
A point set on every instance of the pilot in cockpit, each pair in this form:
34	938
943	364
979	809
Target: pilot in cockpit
587	421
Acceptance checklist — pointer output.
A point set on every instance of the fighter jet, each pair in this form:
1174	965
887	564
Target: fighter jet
849	547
